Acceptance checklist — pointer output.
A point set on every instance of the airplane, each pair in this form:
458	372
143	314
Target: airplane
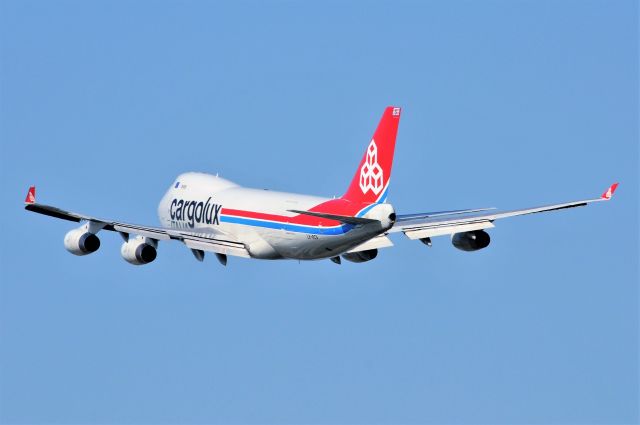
208	213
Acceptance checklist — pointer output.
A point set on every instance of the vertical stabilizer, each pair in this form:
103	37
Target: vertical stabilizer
371	180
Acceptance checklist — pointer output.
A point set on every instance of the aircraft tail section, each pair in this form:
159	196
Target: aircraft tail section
371	180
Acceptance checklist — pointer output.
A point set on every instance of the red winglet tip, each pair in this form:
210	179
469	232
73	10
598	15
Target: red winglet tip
31	196
610	191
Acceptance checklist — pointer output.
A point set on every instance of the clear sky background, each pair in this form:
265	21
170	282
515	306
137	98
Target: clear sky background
506	104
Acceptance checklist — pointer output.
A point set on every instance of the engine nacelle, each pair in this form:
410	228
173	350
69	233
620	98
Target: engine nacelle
81	242
139	251
361	256
471	241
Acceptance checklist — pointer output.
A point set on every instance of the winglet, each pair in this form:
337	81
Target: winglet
31	196
609	192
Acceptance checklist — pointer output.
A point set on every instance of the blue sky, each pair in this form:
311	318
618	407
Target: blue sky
506	104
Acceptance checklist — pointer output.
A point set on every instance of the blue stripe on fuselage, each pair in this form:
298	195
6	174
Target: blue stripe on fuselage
314	230
287	226
380	201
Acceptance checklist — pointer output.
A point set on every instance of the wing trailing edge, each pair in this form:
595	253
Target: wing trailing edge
418	226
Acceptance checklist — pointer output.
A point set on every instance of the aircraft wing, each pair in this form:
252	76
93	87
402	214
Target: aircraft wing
427	225
199	241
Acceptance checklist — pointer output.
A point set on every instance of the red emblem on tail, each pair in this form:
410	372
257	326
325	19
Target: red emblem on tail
371	174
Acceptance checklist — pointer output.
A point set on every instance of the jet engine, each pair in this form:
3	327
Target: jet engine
139	250
361	256
81	242
471	241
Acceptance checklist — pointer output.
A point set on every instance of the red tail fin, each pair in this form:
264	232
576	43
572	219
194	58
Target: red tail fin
371	181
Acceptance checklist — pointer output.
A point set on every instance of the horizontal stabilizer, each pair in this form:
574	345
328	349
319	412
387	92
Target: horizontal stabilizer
341	218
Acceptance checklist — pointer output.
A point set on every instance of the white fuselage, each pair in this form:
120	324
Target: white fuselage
260	219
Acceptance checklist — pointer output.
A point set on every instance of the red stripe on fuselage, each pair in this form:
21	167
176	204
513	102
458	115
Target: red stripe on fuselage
333	206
